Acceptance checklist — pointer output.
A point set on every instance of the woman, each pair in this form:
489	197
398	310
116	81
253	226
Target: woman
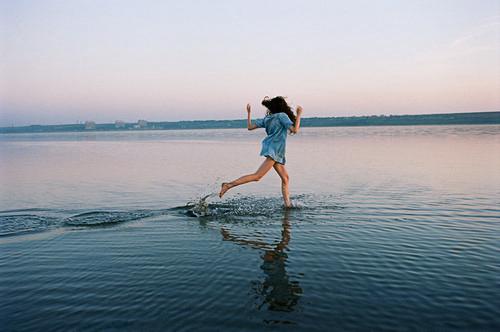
278	121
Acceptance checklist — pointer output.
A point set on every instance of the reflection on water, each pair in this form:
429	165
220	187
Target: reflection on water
277	292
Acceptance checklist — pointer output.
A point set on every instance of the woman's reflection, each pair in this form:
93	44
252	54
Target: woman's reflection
277	291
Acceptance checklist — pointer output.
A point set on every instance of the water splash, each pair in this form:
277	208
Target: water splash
104	218
199	208
237	209
25	223
242	206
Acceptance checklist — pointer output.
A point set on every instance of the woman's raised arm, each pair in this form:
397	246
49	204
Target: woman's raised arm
250	125
295	128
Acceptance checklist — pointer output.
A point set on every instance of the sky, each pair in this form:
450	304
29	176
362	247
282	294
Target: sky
102	60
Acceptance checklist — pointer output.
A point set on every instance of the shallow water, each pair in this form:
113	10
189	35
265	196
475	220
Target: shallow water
394	228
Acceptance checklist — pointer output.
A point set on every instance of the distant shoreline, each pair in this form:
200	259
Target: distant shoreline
472	118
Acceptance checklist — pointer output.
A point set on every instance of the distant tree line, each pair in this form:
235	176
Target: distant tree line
347	121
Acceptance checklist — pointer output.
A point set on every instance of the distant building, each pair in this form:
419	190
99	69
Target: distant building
89	125
119	124
141	124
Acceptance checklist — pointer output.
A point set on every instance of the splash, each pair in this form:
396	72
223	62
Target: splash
104	218
243	206
25	223
200	208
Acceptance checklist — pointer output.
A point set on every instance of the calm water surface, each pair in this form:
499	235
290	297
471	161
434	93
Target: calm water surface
396	228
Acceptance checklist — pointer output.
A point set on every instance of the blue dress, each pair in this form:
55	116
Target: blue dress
277	125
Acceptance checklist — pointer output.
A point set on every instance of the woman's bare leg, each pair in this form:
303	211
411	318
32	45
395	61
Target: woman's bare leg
281	170
263	169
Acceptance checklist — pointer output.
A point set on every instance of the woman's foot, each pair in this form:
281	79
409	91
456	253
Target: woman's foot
224	187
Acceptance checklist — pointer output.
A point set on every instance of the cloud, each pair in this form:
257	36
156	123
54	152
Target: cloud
490	27
480	40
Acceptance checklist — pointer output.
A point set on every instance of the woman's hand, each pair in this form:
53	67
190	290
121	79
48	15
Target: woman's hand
299	110
295	128
250	125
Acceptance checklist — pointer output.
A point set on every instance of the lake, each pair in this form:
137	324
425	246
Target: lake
394	228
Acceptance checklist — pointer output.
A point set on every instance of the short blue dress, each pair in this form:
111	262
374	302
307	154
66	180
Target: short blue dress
277	125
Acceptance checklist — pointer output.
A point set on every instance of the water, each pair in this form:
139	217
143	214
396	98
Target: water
394	228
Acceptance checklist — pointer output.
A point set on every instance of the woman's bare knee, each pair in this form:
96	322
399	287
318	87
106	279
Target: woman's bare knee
258	176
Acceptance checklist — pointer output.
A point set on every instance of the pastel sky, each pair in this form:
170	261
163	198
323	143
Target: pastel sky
102	60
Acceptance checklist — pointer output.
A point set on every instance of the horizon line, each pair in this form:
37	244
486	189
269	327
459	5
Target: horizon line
235	119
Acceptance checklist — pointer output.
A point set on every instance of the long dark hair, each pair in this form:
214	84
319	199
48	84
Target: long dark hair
278	105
